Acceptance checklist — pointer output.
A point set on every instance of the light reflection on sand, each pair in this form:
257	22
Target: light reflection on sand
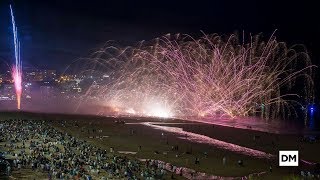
208	140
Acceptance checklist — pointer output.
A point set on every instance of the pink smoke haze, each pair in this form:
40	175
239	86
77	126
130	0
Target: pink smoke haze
17	78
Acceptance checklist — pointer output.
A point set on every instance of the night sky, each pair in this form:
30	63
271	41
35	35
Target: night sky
55	33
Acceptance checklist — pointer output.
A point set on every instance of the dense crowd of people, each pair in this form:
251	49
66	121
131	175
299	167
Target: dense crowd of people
36	145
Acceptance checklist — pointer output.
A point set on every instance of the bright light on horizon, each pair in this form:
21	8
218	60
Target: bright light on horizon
158	111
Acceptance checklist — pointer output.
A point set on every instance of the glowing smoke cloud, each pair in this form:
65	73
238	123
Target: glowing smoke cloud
17	68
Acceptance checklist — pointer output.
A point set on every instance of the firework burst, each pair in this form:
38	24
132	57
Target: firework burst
182	76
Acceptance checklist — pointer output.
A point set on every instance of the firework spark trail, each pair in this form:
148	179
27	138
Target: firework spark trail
16	70
209	76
